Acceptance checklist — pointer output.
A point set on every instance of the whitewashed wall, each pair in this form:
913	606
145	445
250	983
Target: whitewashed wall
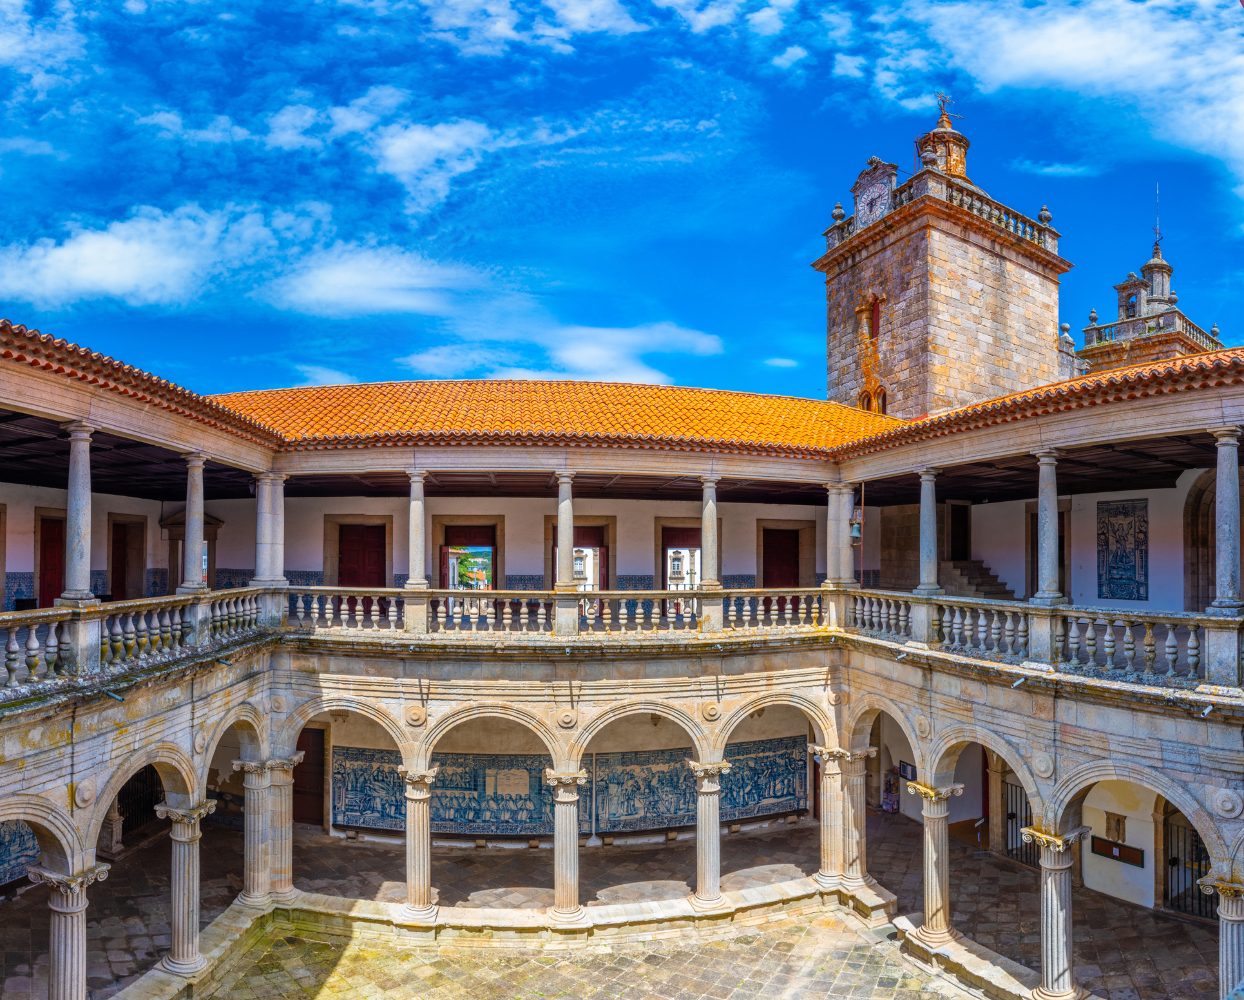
1105	874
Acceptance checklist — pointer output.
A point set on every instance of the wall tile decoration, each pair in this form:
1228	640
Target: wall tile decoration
18	850
1123	550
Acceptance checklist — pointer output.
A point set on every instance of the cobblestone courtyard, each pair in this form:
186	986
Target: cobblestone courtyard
1122	952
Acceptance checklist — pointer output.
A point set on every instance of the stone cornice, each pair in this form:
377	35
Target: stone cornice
68	885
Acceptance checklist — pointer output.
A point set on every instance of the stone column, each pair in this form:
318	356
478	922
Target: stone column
566	606
829	876
263	529
565	785
1227	599
419	900
928	533
1230	932
997	803
281	826
854	816
67	942
416	557
256	867
839	560
183	958
278	530
1048	541
937	929
1057	982
707	832
192	579
710	572
78	515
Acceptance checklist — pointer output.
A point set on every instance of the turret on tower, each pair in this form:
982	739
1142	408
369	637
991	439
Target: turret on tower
936	294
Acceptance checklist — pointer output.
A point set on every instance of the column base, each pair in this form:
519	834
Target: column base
1226	609
260	902
186	969
1046	599
197	589
574	916
827	882
706	905
934	939
418	914
928	590
284	896
1041	993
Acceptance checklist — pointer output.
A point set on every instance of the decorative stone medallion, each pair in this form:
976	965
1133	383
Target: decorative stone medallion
200	742
923	727
83	794
1227	803
278	703
416	715
567	718
710	711
1042	764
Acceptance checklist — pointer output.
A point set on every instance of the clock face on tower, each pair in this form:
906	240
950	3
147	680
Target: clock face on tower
872	202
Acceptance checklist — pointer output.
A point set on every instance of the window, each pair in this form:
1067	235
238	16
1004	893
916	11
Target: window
1131	307
879	401
866	400
874	319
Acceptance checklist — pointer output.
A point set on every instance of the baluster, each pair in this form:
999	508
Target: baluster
874	616
216	613
945	635
393	612
115	638
1073	641
1129	647
1172	650
129	636
165	621
609	609
1151	648
33	649
1021	636
1194	651
904	618
142	637
1008	633
51	649
12	657
995	633
1109	645
176	632
321	610
1090	642
371	610
956	631
542	612
982	630
298	613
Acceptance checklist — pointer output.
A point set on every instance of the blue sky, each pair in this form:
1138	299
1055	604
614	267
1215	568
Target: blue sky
245	195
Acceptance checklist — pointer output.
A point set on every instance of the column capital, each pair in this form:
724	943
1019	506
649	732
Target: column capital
1046	455
419	783
186	817
842	486
1056	843
927	474
842	754
195	459
79	430
709	769
255	773
68	885
565	784
270	476
564	477
931	794
285	763
710	480
1226	889
418	475
1228	435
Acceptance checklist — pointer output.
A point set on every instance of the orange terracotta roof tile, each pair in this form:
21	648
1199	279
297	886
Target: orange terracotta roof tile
1192	371
554	412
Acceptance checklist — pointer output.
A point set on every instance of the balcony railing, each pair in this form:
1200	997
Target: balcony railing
55	648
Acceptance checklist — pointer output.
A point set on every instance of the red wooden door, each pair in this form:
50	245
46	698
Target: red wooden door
675	538
51	560
781	558
361	555
309	778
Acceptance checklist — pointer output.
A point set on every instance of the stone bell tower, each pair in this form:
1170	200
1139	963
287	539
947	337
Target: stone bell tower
937	295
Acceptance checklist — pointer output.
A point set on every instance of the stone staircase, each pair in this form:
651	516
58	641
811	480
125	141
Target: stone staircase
972	578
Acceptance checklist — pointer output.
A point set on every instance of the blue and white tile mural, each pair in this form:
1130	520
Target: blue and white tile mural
505	794
18	850
1123	550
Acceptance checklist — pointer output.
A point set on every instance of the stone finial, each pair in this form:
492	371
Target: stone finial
1172	298
928	158
839	213
1065	329
1214	331
1045	216
1093	316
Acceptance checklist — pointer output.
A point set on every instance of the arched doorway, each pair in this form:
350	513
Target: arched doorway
1200	535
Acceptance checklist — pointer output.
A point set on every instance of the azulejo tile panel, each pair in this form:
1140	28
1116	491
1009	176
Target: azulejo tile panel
1123	550
505	795
18	850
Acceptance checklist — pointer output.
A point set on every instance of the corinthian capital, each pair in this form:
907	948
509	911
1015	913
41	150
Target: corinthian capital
68	885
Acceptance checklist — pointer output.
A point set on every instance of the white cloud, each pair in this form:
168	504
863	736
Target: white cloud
351	280
426	158
27	146
319	375
781	362
702	17
152	258
220	129
288	127
1054	169
480	27
791	55
849	67
365	112
37	45
588	16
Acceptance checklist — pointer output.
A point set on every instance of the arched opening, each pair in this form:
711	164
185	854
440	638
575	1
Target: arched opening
770	799
866	400
223	864
490	809
1200	536
1122	885
638	810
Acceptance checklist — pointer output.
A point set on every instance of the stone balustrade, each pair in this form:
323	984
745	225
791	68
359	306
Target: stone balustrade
143	630
1122	645
31	642
991	630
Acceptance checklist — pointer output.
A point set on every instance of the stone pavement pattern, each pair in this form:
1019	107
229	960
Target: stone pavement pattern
791	959
1122	952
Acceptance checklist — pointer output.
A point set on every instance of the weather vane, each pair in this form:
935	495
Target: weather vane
1157	209
943	103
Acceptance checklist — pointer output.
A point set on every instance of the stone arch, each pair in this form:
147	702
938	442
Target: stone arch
1064	804
861	717
58	838
177	773
287	739
822	724
1237	856
943	757
700	740
423	751
254	738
